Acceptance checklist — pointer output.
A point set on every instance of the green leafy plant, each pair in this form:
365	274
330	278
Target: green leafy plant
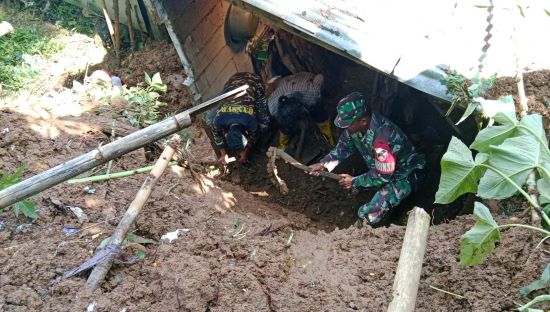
465	91
28	208
144	104
508	155
15	51
130	240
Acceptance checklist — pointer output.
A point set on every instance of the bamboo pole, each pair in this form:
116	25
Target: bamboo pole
130	25
116	43
103	154
100	270
114	175
407	276
108	21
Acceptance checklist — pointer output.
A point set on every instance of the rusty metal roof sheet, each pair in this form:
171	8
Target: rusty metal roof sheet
416	41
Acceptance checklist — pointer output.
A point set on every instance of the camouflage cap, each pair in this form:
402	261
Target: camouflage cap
349	108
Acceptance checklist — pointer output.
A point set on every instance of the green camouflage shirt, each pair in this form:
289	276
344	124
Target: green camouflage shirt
388	153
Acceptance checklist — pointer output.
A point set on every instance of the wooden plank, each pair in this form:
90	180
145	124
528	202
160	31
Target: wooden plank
242	60
217	86
203	57
206	28
218	63
175	9
202	84
185	23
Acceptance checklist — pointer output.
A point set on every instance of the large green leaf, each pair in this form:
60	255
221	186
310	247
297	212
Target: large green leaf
534	123
459	172
515	158
541	283
543	186
495	135
479	241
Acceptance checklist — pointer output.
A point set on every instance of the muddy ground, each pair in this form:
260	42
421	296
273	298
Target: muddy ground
247	249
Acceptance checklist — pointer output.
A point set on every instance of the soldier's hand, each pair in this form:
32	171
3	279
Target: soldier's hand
315	168
346	181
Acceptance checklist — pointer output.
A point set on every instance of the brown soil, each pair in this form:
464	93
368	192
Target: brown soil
537	90
237	255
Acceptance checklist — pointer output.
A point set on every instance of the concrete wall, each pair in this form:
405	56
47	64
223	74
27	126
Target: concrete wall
199	26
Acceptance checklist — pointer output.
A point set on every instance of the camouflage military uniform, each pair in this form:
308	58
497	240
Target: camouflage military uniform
249	110
393	163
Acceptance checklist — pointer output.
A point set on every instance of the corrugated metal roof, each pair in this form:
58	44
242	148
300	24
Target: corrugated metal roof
415	40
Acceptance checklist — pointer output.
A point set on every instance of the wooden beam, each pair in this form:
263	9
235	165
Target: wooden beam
407	277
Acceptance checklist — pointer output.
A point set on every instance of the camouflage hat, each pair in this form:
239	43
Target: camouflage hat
351	107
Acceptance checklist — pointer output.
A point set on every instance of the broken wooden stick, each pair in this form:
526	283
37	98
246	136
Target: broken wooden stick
274	153
407	276
274	173
100	271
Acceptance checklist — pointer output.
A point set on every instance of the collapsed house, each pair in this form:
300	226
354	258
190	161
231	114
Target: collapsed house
397	53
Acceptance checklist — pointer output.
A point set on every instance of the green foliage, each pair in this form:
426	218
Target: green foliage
70	17
460	172
26	40
479	241
144	105
28	208
541	283
464	91
63	14
508	153
131	239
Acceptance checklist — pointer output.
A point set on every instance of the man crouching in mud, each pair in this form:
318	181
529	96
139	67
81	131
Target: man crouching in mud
395	168
239	122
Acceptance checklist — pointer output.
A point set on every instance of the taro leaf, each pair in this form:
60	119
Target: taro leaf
504	104
543	186
534	123
459	172
147	79
157	84
28	209
479	241
469	110
495	135
515	158
543	282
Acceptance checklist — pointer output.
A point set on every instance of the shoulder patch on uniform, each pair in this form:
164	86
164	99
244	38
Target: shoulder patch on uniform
384	160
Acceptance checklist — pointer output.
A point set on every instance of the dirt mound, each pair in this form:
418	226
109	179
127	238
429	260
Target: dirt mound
236	255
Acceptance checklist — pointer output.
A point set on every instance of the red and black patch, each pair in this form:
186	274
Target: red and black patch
384	160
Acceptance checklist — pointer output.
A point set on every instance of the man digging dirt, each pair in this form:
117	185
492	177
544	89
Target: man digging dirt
395	168
239	122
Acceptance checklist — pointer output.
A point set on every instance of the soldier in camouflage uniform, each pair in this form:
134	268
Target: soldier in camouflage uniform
239	121
395	168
